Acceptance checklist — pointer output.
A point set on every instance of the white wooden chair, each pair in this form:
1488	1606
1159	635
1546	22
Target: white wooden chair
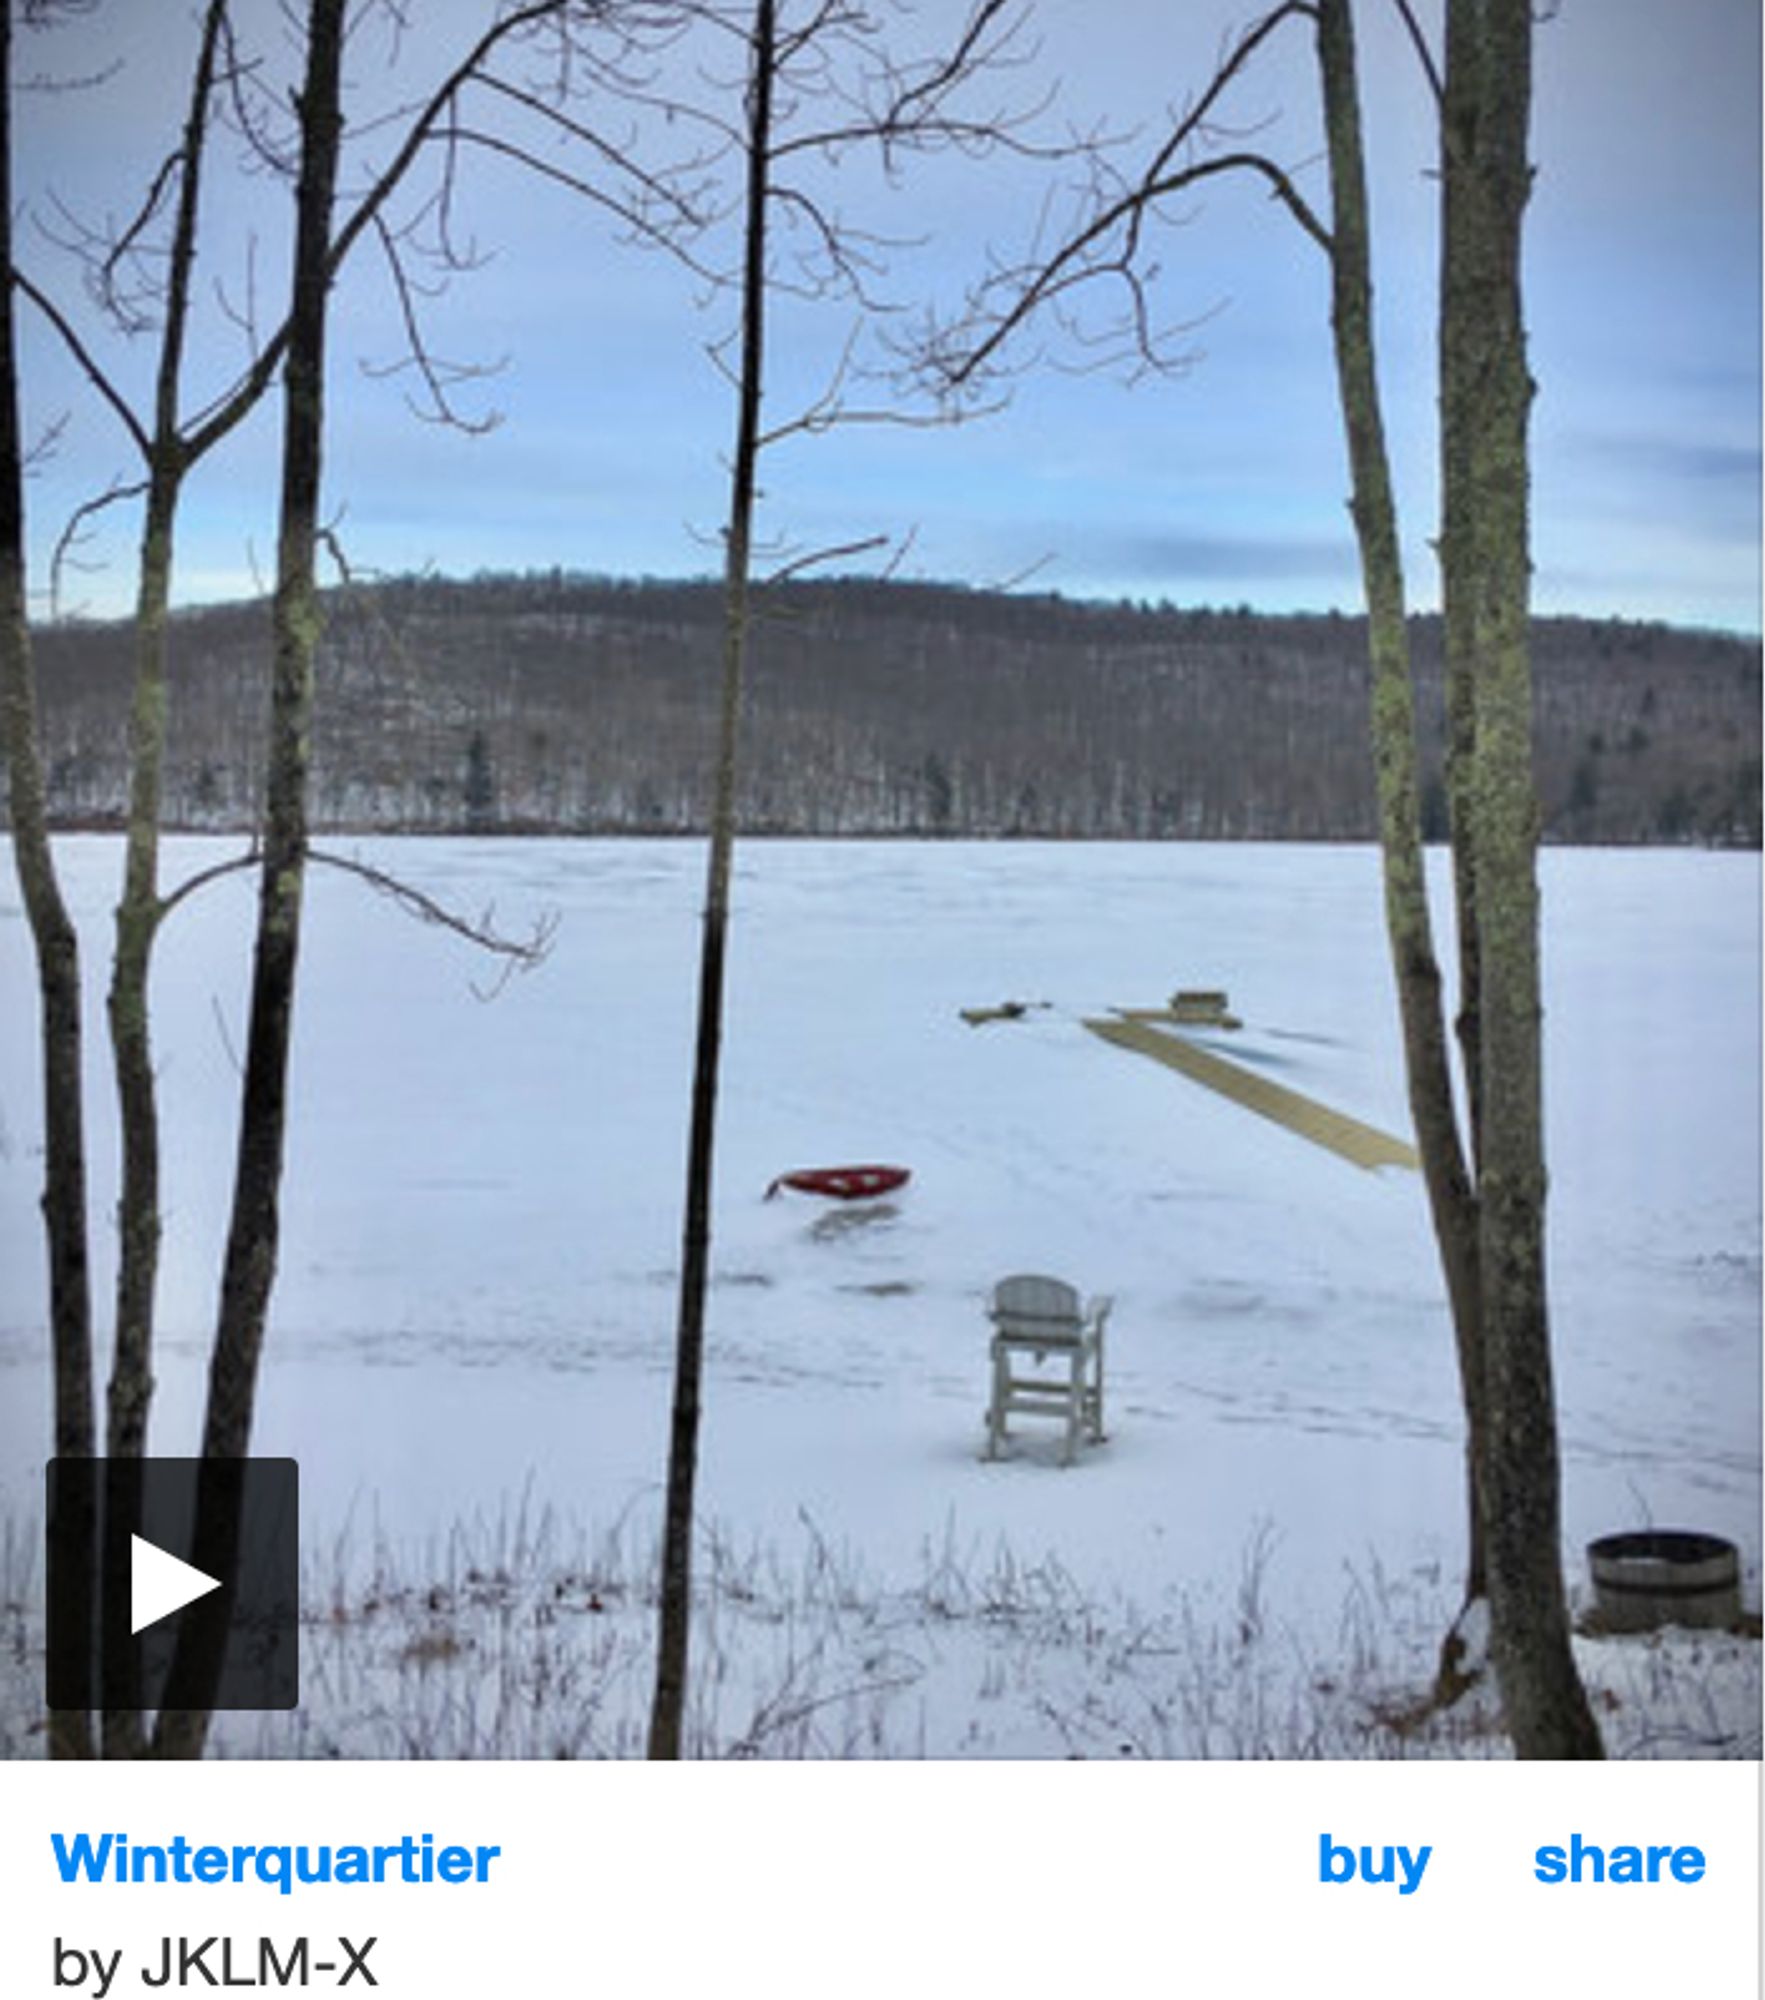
1037	1320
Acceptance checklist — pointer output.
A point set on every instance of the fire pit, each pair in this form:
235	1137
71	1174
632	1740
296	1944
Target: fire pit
1664	1576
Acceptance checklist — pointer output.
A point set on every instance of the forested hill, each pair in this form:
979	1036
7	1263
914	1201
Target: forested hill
573	704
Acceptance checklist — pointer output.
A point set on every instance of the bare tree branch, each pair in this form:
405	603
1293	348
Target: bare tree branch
1005	584
44	446
1108	242
127	243
622	159
439	377
519	954
424	123
236	865
229	408
838	552
75	532
243	316
641	224
1430	68
83	356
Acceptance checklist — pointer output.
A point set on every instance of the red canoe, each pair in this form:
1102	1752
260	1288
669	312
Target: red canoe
842	1183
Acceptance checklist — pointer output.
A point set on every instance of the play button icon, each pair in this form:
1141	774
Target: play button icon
173	1583
159	1584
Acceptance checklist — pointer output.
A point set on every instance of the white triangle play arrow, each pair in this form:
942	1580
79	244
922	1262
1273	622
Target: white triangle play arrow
160	1584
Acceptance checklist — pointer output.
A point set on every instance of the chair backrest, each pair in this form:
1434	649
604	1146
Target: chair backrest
1030	1303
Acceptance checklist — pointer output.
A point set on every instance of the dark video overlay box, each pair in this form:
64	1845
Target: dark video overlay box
120	1532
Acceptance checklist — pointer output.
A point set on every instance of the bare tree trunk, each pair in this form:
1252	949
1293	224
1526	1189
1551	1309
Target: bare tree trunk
254	1232
137	916
668	1706
1488	1211
1427	1061
1460	274
1464	254
137	922
138	911
1487	106
52	932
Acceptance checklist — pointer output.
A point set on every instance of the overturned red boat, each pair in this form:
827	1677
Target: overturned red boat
842	1183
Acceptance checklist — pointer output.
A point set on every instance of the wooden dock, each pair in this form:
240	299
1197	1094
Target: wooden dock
1363	1144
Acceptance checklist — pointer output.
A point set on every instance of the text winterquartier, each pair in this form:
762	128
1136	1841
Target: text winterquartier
114	1858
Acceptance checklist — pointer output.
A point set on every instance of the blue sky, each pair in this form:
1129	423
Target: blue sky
1223	484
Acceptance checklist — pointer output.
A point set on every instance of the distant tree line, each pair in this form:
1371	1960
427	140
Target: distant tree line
563	703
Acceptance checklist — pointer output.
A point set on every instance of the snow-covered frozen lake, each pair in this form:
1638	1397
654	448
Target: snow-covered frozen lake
477	1290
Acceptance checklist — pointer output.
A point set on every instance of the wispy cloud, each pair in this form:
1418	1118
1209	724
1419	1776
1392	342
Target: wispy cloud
1178	556
1639	458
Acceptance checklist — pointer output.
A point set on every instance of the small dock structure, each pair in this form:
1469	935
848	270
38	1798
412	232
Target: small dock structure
1149	1032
